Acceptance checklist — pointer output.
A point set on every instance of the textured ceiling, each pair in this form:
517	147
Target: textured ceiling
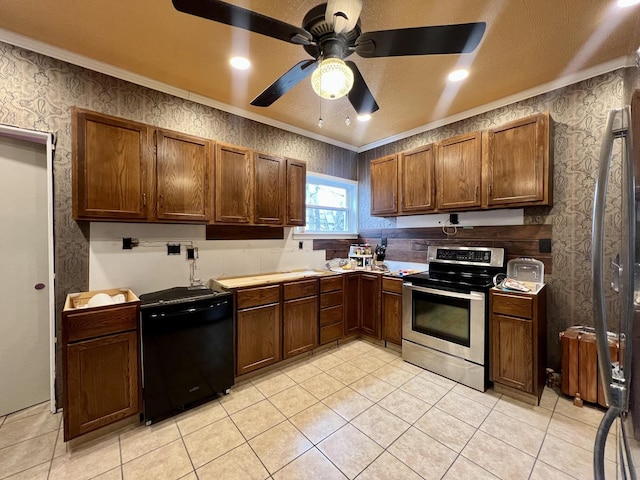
527	44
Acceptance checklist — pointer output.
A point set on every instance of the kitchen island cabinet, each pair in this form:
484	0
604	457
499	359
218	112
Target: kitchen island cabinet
518	333
258	328
101	363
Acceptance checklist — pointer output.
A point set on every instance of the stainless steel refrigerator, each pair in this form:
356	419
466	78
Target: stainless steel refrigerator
617	287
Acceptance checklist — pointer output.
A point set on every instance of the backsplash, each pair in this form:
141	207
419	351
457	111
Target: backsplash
148	268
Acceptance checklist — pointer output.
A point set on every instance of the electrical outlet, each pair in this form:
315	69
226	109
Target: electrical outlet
128	243
300	245
173	249
453	219
191	253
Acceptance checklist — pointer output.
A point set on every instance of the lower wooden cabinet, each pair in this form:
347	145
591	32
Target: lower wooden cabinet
331	309
351	304
370	304
258	328
391	310
300	317
101	366
518	343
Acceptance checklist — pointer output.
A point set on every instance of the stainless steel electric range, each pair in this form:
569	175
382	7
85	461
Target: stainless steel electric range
445	326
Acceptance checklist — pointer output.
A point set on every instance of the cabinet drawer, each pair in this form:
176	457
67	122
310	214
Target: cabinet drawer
254	297
330	299
330	284
331	315
301	289
514	305
98	322
330	333
391	285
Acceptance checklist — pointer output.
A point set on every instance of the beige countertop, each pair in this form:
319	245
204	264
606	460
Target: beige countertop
229	283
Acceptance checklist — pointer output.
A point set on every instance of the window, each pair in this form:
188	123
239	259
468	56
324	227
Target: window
331	206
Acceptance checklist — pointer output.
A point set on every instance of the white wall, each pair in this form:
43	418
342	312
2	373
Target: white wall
148	267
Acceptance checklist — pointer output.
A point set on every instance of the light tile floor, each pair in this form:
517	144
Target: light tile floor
357	411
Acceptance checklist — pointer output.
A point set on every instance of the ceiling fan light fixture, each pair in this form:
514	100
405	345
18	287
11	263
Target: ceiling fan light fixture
332	79
627	3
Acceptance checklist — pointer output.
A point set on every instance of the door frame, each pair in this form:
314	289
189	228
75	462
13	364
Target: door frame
46	139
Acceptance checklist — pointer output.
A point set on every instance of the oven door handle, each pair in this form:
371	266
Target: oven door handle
446	293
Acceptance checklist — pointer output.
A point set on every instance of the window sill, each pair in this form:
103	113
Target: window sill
336	236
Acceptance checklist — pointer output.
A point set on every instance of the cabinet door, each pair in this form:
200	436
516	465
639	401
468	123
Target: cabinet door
392	317
417	182
183	175
233	184
110	168
296	193
370	304
384	186
102	382
300	324
269	188
352	304
459	172
512	352
258	337
518	166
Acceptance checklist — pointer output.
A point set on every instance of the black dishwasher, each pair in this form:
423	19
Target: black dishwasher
187	349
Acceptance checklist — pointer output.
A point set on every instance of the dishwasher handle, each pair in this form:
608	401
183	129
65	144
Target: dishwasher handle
191	310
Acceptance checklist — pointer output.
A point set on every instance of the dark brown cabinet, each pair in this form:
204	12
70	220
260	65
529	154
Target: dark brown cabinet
269	189
362	304
233	184
111	168
184	173
391	310
258	330
299	317
370	304
519	171
417	182
296	193
459	172
384	186
351	304
101	367
518	343
331	309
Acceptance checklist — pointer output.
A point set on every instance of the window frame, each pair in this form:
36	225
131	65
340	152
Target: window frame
351	186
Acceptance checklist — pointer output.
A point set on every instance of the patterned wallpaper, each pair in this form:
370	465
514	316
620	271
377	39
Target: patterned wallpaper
579	113
37	92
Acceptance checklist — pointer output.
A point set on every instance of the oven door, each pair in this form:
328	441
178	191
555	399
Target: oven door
448	321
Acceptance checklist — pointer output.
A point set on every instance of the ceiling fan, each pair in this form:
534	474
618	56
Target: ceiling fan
330	33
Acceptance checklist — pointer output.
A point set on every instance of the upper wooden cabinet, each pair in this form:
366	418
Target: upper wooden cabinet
184	170
233	184
417	186
519	171
296	193
269	189
384	186
459	172
111	163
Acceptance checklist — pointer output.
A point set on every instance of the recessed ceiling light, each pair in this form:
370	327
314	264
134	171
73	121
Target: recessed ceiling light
364	118
240	63
627	3
458	75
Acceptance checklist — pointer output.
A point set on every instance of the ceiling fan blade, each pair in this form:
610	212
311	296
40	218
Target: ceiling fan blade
235	16
343	14
286	82
436	40
360	96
